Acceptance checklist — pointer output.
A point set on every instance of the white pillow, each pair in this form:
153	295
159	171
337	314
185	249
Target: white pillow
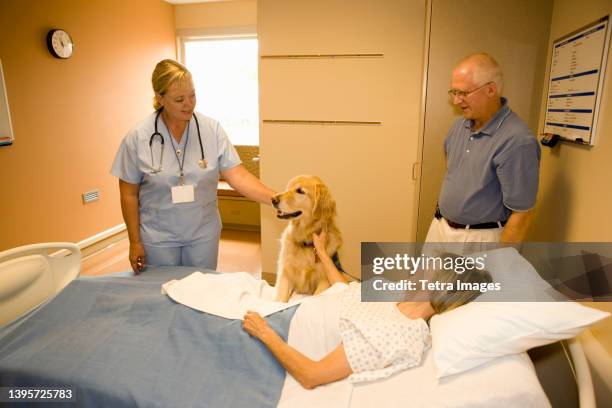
519	280
506	322
476	333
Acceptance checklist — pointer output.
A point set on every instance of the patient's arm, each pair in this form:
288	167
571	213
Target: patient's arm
308	373
332	273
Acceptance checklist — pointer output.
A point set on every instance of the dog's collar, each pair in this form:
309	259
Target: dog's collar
335	258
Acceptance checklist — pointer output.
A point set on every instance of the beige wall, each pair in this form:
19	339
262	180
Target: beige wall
575	197
368	168
575	194
520	52
69	116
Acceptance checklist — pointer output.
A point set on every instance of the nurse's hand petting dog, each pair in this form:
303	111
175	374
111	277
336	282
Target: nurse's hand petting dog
137	258
256	326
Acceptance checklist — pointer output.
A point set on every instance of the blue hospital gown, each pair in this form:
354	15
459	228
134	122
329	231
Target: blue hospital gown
378	339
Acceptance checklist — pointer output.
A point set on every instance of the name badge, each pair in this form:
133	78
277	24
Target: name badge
183	194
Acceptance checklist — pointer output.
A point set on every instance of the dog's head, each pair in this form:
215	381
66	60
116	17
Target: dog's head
306	197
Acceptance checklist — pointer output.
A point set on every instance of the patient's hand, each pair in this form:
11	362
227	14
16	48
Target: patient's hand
332	272
320	241
256	326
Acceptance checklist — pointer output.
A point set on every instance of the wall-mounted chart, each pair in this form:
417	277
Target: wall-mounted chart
577	73
6	130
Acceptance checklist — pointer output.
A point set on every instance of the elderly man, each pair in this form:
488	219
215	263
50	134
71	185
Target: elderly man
493	159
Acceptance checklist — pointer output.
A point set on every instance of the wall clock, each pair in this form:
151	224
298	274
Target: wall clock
59	43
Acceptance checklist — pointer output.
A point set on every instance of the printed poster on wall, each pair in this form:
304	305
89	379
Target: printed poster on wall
6	130
577	73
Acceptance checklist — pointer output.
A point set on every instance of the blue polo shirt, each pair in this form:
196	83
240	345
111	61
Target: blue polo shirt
492	171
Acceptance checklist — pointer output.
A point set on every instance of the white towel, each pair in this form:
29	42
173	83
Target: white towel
227	295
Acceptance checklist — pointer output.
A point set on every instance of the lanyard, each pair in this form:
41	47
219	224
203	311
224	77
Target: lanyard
176	153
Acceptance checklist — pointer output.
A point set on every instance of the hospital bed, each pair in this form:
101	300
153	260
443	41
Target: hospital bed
116	341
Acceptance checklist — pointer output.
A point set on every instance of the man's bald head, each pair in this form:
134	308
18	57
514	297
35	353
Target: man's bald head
476	86
483	68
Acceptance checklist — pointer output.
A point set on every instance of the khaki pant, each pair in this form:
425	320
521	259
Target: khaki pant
461	241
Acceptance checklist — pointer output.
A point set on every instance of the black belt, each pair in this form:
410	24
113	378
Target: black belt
484	225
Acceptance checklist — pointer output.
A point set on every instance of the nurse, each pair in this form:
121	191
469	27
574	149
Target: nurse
168	167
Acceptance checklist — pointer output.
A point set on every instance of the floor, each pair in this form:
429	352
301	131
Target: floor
238	251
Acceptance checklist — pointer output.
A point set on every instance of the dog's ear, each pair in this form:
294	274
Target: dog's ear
324	204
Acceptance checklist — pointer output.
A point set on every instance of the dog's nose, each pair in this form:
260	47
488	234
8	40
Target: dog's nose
275	201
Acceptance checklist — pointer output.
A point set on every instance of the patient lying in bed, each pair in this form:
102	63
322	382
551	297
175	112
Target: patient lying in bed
378	339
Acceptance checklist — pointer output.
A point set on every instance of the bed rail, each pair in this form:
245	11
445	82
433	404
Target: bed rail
582	374
30	275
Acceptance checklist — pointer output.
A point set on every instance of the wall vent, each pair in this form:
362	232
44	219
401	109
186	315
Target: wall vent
91	196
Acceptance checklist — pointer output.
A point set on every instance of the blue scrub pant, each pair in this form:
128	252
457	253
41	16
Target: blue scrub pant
202	255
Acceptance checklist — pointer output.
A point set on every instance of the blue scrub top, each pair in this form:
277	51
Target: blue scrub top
163	223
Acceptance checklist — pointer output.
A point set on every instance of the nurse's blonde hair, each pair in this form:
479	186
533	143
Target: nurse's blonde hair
166	73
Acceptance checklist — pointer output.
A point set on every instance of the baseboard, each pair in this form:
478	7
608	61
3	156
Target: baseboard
97	242
101	236
102	240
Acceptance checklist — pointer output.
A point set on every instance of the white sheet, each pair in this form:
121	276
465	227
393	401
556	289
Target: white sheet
505	382
230	295
227	295
315	338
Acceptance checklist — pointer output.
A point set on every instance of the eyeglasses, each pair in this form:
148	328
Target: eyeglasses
464	94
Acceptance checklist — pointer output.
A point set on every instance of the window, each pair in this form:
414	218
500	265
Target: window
225	76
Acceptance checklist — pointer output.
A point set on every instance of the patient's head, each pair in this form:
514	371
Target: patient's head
466	287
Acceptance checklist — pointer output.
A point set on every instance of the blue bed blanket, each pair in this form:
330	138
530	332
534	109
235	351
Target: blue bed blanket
120	343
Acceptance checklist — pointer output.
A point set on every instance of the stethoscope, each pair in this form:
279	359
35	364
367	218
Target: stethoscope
202	162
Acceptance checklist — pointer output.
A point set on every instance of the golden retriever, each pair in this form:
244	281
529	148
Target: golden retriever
309	205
